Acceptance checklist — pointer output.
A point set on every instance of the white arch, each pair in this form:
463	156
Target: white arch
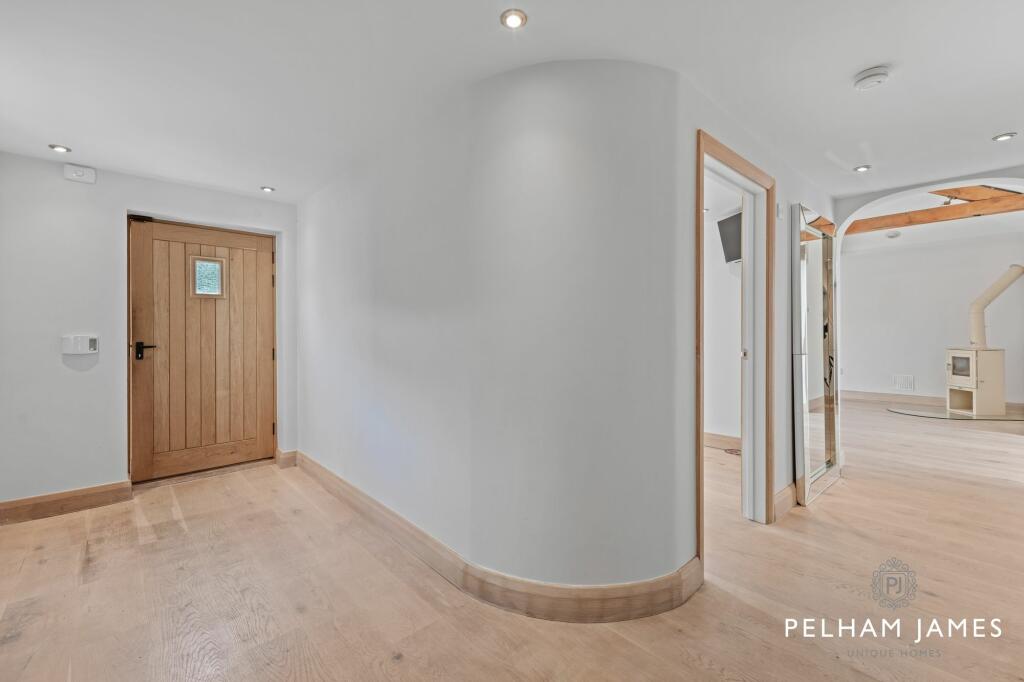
1015	183
865	210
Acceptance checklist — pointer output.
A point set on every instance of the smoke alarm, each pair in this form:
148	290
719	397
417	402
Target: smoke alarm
871	78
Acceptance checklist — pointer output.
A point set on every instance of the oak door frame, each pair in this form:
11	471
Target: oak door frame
130	342
706	144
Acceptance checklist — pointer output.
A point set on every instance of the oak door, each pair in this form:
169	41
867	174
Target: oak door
201	348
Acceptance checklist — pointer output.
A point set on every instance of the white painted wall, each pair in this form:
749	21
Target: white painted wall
496	320
723	287
63	268
486	324
903	304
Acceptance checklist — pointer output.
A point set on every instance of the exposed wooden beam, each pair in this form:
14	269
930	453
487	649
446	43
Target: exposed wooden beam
1002	204
974	192
824	224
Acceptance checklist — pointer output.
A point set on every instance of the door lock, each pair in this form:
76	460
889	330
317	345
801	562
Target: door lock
140	350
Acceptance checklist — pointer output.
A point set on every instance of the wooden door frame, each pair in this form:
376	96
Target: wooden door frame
130	342
706	144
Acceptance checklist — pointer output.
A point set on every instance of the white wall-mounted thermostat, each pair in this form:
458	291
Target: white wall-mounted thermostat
79	344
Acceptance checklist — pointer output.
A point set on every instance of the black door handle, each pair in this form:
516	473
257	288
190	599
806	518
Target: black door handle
140	352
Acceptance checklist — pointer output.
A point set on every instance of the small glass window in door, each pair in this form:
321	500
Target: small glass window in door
208	276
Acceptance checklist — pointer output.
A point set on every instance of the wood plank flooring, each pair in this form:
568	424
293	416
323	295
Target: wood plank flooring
259	574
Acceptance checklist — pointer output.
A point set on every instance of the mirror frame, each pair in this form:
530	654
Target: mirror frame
810	484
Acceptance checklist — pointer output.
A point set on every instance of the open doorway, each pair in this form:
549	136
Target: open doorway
940	396
727	242
734	330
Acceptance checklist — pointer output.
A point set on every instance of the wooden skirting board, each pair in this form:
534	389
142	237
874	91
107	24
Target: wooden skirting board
892	398
904	398
285	459
568	603
42	506
720	442
785	500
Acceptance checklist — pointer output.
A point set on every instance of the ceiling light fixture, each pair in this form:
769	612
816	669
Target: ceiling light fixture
892	235
513	19
267	189
871	78
60	149
862	169
1003	137
706	210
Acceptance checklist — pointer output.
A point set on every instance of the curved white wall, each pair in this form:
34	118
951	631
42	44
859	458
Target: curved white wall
486	324
571	476
496	320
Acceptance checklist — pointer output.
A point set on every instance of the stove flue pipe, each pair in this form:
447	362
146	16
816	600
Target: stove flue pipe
978	339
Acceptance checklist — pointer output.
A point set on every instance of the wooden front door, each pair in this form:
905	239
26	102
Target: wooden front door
201	348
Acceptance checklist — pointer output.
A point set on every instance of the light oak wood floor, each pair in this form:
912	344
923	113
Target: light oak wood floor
259	574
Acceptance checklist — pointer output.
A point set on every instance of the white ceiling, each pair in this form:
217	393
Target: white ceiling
236	94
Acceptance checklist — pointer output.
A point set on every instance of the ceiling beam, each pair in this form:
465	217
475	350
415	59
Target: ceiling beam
994	206
974	192
824	224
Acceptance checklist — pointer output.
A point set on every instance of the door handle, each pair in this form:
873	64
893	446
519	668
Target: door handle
140	350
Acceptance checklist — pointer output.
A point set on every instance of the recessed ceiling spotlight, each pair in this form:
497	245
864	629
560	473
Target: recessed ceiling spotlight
893	235
871	78
706	210
862	169
1003	137
267	189
60	149
513	19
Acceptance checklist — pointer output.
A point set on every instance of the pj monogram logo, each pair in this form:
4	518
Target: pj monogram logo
893	585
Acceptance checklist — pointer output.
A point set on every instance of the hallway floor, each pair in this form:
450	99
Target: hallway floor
259	574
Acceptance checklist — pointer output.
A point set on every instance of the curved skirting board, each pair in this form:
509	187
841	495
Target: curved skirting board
550	601
584	603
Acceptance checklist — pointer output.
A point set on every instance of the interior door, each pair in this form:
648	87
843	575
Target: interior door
201	348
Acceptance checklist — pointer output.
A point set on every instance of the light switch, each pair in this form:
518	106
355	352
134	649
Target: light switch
79	344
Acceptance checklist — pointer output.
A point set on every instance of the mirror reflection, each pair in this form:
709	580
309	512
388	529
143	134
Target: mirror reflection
815	366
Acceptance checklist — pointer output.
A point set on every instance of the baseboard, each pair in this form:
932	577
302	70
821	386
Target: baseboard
43	506
720	442
906	399
785	500
549	601
867	396
285	459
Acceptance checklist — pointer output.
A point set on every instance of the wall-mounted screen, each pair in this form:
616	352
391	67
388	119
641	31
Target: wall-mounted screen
731	232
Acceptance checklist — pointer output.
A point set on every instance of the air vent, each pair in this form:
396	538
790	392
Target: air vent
903	382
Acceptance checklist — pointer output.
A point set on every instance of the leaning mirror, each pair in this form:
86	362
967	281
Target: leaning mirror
815	398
